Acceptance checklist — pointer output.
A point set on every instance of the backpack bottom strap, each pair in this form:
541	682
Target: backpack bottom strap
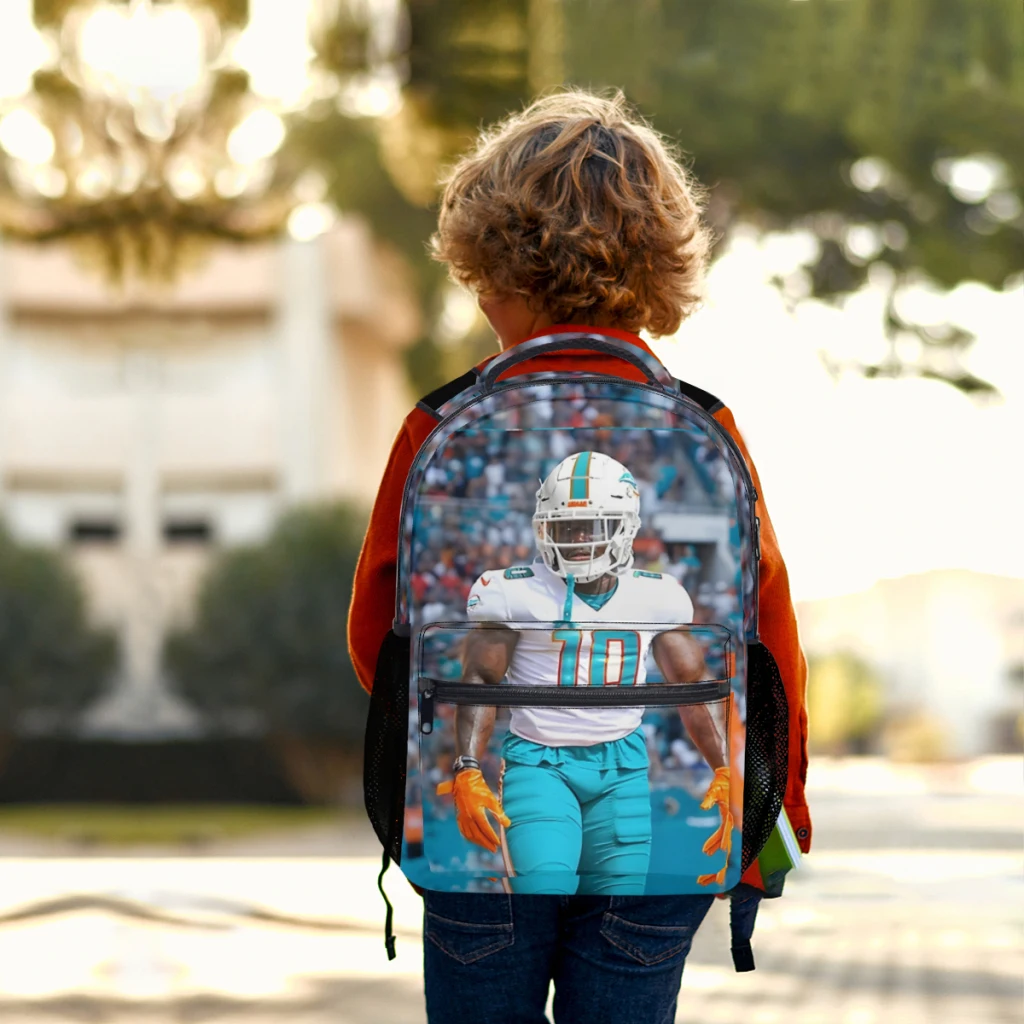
742	915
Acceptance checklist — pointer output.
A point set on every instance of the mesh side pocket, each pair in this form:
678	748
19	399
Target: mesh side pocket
385	748
767	757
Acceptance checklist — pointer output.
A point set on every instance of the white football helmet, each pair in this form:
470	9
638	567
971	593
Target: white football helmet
588	513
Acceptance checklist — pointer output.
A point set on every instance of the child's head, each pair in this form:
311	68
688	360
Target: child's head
577	207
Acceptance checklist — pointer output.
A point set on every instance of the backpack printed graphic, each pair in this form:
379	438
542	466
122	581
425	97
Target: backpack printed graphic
565	703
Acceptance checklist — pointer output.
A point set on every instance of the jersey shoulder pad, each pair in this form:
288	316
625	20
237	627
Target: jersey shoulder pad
678	602
487	601
663	597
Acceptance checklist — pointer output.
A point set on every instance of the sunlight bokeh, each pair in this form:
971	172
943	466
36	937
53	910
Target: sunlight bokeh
864	479
274	50
156	51
22	49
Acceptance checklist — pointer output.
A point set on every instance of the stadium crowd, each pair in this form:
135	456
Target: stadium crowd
477	500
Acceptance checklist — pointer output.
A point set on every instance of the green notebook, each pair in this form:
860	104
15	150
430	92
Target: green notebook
781	852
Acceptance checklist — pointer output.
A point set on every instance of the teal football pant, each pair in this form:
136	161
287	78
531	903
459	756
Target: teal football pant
576	828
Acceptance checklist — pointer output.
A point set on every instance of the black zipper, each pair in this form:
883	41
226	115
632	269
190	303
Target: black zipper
506	696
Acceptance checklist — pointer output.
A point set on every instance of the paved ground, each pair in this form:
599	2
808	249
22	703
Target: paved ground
909	912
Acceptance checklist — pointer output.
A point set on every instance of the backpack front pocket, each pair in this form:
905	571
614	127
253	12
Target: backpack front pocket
605	777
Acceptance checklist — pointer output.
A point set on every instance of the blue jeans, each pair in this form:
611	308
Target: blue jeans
489	958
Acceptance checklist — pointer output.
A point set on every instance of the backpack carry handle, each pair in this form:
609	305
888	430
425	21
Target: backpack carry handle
650	367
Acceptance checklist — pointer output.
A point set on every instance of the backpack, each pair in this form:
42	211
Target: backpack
573	697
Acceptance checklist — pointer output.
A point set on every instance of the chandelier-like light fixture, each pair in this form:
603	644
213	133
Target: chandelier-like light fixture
141	131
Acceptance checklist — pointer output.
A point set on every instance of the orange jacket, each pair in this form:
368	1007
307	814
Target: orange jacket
373	593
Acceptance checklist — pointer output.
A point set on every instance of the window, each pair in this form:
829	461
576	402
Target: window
188	531
94	530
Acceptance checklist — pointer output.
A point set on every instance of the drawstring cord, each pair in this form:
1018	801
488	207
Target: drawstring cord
389	935
570	589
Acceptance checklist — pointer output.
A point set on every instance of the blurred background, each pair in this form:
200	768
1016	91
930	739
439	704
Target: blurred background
215	309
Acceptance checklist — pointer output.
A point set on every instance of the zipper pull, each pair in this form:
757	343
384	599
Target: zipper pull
427	711
757	538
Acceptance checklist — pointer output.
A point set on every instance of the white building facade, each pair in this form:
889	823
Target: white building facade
141	432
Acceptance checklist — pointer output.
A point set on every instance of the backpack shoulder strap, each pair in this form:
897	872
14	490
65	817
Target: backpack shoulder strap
430	404
446	392
704	399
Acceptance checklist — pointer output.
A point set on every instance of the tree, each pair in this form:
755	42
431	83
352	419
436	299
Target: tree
468	63
266	648
844	704
53	664
889	128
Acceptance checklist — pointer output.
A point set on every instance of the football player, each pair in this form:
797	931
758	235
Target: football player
574	803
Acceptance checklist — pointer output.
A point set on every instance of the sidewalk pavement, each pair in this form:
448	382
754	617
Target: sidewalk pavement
925	932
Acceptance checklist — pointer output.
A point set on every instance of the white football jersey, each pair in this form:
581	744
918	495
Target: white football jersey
581	653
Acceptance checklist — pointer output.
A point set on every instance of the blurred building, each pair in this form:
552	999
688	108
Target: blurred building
949	643
142	431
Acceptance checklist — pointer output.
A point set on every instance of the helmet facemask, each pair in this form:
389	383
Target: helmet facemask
586	546
587	515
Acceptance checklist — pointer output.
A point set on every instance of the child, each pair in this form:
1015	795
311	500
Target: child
572	215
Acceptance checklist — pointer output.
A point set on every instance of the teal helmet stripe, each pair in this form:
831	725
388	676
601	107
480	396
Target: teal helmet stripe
579	488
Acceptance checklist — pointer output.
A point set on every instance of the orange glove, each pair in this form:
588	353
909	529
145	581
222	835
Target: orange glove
721	838
473	799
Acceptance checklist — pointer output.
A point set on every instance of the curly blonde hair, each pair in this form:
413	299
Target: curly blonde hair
579	206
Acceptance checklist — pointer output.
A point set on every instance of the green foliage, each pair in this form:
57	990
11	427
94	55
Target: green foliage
844	704
469	60
120	825
52	663
233	13
822	114
49	13
469	63
347	151
268	638
776	102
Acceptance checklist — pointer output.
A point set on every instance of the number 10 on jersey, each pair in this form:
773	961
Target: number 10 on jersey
614	656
